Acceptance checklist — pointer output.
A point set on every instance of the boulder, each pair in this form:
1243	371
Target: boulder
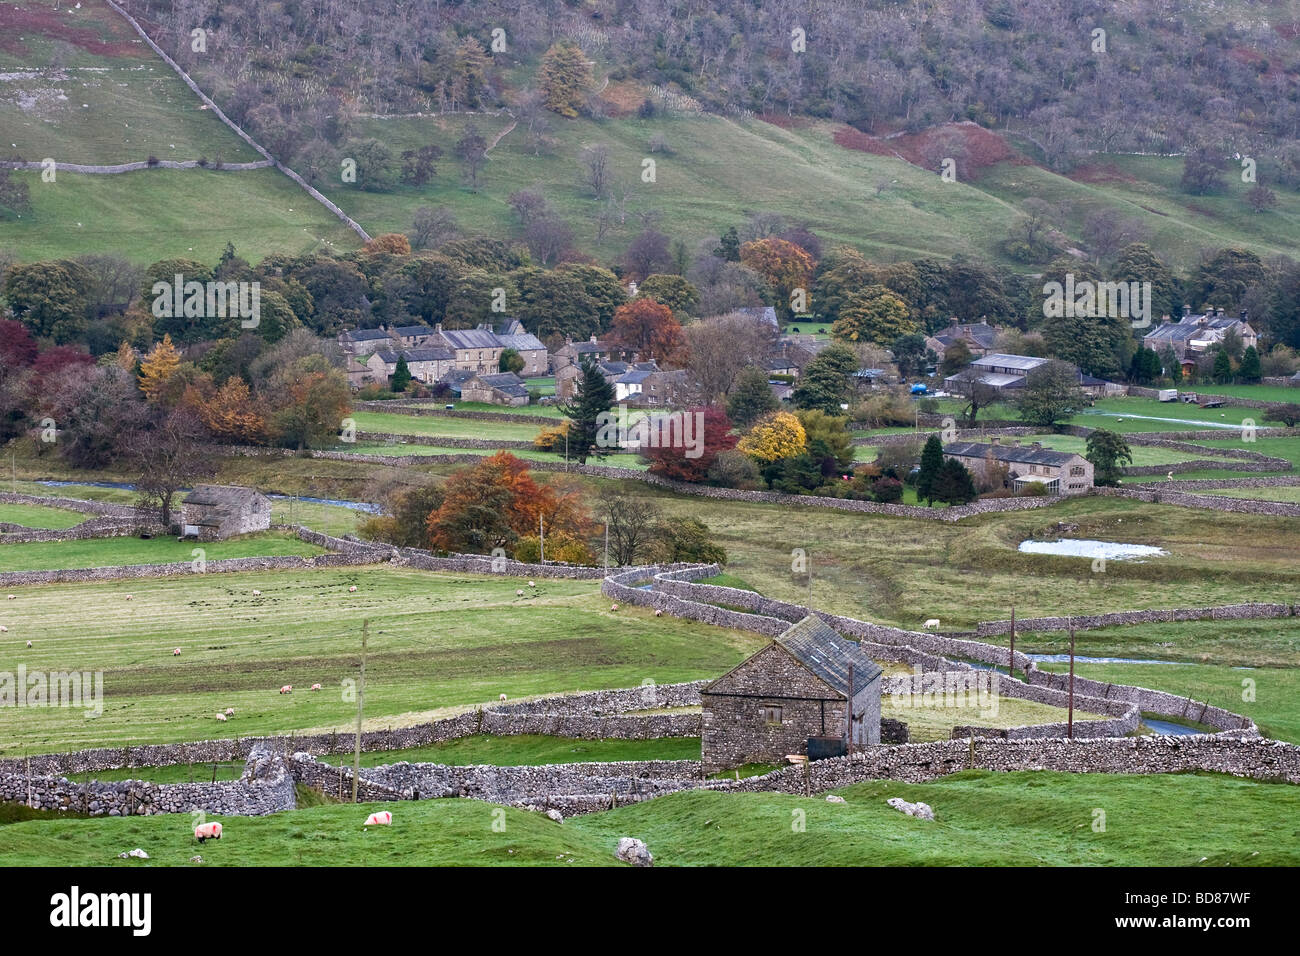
832	798
633	851
919	810
558	817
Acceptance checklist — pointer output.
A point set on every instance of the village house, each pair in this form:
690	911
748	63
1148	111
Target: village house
428	365
1194	335
795	696
213	512
573	353
1061	473
978	336
1008	373
495	388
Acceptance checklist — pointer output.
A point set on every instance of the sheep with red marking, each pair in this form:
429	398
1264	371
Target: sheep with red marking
230	712
381	819
286	689
314	687
352	590
207	831
176	652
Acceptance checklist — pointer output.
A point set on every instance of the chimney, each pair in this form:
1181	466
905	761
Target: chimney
1187	310
1219	313
593	340
1243	315
438	328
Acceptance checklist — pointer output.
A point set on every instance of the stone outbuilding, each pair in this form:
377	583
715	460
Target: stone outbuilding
792	697
212	512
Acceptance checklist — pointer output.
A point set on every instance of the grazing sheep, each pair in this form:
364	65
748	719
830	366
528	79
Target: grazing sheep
352	589
256	593
286	689
29	643
613	607
503	697
531	584
931	624
176	652
128	597
314	687
519	592
3	629
659	612
230	712
381	819
11	597
207	831
221	717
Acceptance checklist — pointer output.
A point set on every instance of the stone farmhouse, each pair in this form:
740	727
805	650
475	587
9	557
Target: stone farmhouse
640	384
1194	335
795	696
595	350
433	353
426	365
213	512
496	388
1062	473
978	336
512	335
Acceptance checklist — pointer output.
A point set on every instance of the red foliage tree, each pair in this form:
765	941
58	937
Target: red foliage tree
689	444
17	347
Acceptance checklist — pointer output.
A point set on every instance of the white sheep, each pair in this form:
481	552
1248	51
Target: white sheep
3	629
931	624
128	597
230	712
207	831
221	717
29	643
12	596
381	819
519	592
503	697
314	687
531	584
659	612
256	593
613	607
176	652
286	689
352	589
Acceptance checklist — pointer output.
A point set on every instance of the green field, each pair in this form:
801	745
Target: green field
1024	818
40	516
1289	494
110	552
1258	393
442	425
436	642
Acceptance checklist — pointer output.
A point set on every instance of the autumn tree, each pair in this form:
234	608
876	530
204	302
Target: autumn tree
875	314
314	398
630	521
564	78
232	416
157	369
785	266
779	435
168	456
690	442
648	328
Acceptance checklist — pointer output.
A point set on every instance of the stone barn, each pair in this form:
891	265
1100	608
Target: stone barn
791	696
211	512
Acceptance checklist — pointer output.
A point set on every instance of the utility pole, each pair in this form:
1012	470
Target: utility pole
607	547
1011	662
849	748
541	539
1070	717
361	706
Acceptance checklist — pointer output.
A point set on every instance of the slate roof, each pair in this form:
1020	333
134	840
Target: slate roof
470	339
421	354
223	501
410	331
521	342
507	382
366	335
819	648
635	376
1019	454
763	313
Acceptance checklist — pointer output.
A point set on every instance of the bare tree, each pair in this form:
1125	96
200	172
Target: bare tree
168	457
724	345
631	522
596	172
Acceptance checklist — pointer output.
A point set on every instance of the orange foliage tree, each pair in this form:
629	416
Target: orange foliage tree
783	264
496	503
232	416
649	327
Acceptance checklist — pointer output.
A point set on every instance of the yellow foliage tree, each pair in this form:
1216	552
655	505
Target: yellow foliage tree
777	436
564	78
157	368
232	416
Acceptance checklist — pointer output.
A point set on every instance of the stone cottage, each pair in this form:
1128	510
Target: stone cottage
792	697
212	512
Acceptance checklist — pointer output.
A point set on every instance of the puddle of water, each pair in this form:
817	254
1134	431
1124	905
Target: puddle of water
366	506
1156	418
1086	548
1166	728
1065	659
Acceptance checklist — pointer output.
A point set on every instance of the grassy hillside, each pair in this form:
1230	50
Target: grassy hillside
1027	819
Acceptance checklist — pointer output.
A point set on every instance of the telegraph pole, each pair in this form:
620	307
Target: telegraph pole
1070	716
541	539
1011	662
361	706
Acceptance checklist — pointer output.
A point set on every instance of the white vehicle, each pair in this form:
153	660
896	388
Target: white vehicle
1168	395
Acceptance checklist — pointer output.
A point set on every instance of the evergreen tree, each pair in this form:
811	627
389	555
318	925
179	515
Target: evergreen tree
1170	361
1222	367
1108	452
594	397
401	374
1250	370
728	247
931	464
953	485
751	398
825	382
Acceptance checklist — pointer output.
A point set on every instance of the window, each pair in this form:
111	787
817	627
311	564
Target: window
1076	470
771	716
